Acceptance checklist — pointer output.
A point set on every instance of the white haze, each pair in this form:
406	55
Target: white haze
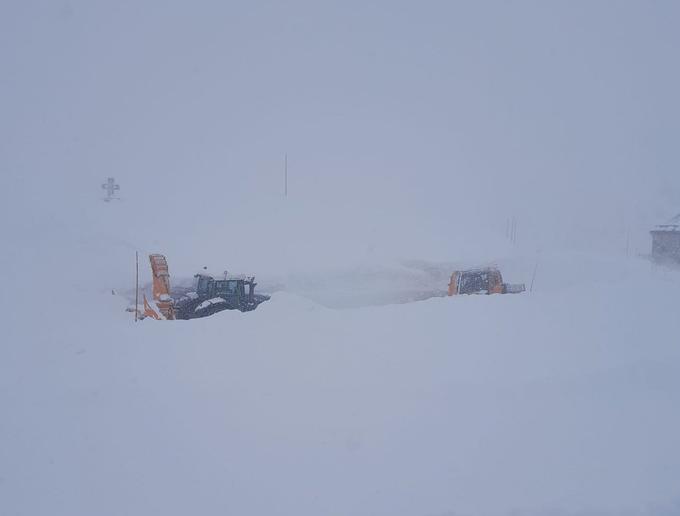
450	116
414	132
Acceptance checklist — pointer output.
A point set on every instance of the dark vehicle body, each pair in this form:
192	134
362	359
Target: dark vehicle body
213	295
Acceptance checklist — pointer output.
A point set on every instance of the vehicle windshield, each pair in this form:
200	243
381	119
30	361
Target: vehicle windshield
202	285
473	282
226	287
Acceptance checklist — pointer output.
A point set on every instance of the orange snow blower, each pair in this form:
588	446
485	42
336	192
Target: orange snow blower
160	289
482	281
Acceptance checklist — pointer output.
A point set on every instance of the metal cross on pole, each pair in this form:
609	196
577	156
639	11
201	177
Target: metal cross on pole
111	187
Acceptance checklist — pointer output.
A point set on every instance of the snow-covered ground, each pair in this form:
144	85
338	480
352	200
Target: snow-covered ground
559	401
415	135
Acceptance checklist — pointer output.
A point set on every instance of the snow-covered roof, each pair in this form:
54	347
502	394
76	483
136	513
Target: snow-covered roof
672	225
212	273
222	275
666	227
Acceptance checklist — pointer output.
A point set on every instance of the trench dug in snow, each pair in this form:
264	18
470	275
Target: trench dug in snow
352	288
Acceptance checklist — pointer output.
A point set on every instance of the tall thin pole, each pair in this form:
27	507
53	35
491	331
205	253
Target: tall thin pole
285	174
136	284
533	276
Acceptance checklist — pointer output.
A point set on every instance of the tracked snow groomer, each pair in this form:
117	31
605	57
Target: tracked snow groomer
208	296
482	281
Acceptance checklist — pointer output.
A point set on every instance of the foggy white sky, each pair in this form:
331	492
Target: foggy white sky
562	113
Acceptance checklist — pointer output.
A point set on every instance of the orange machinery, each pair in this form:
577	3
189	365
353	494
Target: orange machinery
160	289
481	281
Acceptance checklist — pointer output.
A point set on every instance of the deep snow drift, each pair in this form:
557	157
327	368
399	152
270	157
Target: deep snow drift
559	401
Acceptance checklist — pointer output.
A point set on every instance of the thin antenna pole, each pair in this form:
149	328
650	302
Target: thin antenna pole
533	277
285	174
136	284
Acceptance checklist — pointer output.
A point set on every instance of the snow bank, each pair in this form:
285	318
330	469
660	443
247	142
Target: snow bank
559	401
